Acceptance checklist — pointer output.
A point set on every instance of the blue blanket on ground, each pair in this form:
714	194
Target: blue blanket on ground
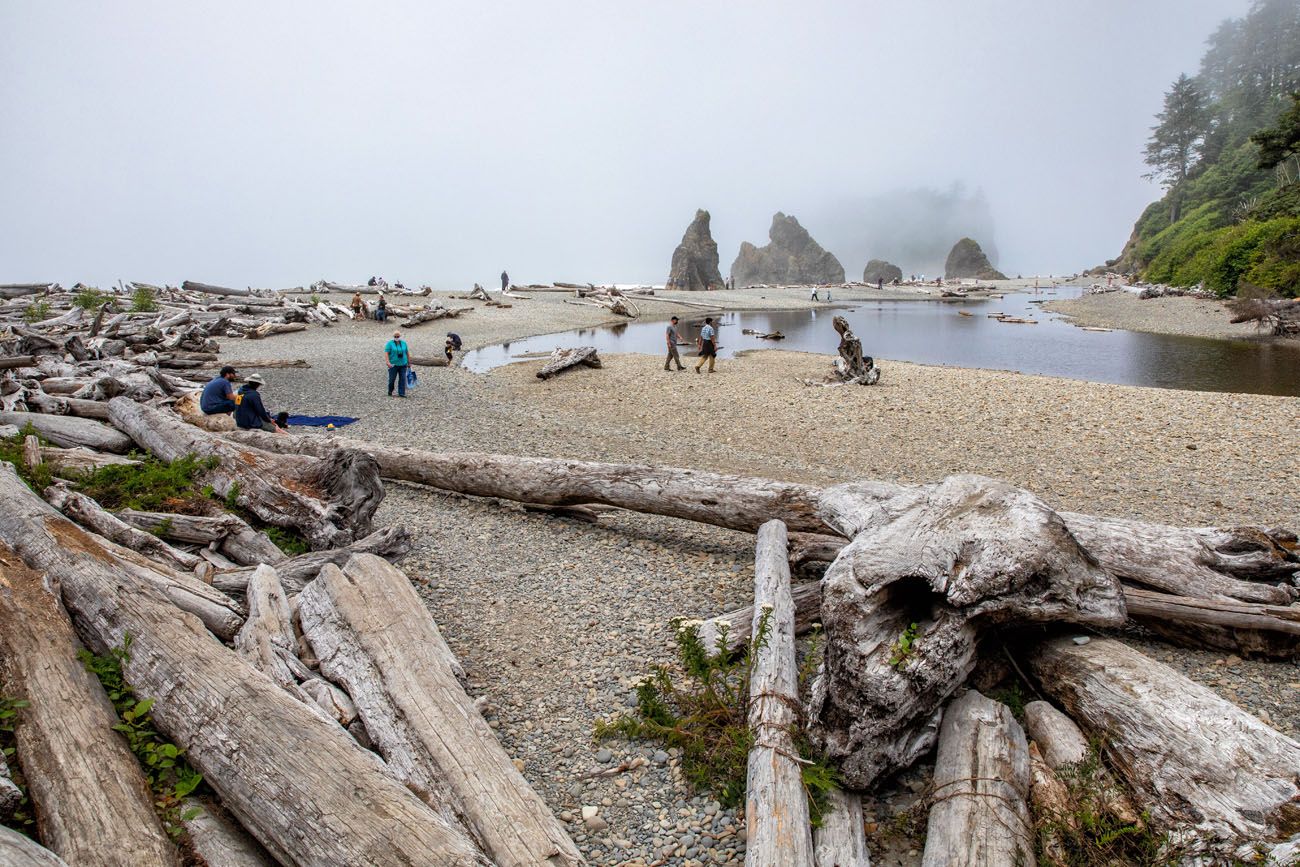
320	420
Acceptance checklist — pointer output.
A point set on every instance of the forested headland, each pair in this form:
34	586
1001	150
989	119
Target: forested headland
1226	148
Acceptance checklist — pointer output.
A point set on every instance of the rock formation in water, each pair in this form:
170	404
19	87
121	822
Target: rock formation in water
880	270
791	258
695	261
968	260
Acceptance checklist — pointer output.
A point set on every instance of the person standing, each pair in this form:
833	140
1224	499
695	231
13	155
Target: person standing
505	281
673	339
357	306
381	309
708	344
398	357
219	395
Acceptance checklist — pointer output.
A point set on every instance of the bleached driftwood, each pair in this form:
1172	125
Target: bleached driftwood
231	535
295	572
372	633
1193	759
219	839
93	517
19	851
563	359
841	840
776	806
978	812
71	432
92	802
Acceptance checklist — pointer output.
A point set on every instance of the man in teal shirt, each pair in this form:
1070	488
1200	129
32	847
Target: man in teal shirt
398	358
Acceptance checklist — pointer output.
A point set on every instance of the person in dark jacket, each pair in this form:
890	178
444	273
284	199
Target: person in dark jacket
505	281
219	395
251	414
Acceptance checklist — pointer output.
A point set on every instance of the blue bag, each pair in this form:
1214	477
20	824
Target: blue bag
411	379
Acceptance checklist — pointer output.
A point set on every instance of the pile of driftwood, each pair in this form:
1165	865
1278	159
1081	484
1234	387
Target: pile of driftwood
1281	316
314	693
850	367
972	571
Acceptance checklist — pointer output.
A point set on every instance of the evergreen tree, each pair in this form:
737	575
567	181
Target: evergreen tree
1176	141
1282	141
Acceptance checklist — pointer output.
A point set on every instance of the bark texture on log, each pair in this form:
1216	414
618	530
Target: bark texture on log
220	841
373	634
70	431
95	518
841	840
296	572
954	558
1191	757
51	543
981	781
297	782
19	851
330	501
92	804
776	806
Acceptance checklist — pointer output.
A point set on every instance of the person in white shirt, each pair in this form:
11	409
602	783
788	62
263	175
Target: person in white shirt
708	344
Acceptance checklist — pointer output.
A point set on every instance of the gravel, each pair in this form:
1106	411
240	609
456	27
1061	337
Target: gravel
1195	317
555	620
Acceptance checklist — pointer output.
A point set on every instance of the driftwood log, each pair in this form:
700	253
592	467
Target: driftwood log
841	840
296	572
51	543
978	812
776	805
71	432
219	839
92	803
373	634
90	515
229	534
19	851
851	366
300	784
1243	627
1194	760
329	501
563	359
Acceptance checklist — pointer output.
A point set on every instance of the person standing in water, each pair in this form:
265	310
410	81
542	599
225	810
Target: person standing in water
708	344
673	339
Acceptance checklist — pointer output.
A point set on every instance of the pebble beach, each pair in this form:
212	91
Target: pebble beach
555	620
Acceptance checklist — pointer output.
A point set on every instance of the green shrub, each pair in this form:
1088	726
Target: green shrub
288	541
89	298
11	451
143	300
37	311
151	486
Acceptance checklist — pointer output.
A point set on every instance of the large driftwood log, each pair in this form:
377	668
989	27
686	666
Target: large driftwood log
329	501
39	401
841	840
49	542
266	639
93	517
1192	758
563	359
71	432
19	851
17	361
296	572
18	290
776	805
208	289
429	314
905	603
297	782
219	839
981	782
93	805
1243	627
372	633
233	536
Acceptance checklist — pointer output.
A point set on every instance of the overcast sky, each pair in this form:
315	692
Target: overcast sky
275	143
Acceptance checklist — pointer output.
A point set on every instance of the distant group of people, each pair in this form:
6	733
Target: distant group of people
707	343
359	308
220	398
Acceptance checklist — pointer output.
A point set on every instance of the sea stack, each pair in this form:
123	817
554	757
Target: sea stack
878	270
695	261
968	260
791	258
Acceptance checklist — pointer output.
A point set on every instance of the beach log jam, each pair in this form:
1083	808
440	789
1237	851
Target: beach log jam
776	805
229	534
563	359
89	514
295	573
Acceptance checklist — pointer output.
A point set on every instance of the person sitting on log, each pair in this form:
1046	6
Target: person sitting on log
251	413
219	395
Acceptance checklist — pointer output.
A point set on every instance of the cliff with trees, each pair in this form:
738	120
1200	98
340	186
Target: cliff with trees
1225	149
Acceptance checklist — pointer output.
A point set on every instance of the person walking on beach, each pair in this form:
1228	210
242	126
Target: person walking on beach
398	357
708	344
673	339
505	281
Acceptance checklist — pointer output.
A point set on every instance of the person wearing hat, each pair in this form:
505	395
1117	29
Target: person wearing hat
219	395
251	414
398	357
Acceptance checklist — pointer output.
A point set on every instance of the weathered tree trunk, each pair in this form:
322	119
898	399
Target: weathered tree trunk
1053	809
93	517
208	289
1191	757
330	501
841	840
298	783
93	806
234	537
981	780
17	361
429	314
18	290
904	606
51	543
563	359
266	639
776	805
1242	627
39	401
429	360
19	851
372	634
70	431
851	366
219	839
296	572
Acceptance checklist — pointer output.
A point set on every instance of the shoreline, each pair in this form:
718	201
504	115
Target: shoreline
1179	315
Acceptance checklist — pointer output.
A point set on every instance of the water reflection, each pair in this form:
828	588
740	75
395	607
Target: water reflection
936	333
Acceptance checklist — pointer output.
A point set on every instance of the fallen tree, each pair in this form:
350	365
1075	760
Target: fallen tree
563	359
91	800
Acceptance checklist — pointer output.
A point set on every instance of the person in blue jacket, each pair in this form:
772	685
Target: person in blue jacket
219	395
251	414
